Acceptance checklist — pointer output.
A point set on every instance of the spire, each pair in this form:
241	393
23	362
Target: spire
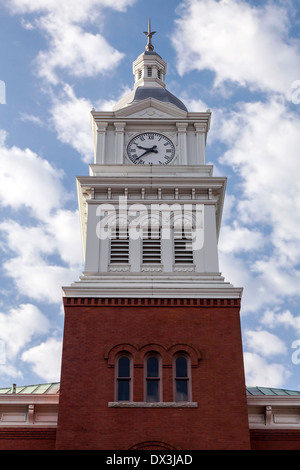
149	34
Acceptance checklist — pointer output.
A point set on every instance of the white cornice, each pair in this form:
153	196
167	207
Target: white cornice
172	113
29	399
274	400
172	171
152	285
274	412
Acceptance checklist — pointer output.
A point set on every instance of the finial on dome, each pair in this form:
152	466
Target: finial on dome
149	34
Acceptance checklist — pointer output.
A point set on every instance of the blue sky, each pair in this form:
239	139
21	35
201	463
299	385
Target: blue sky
59	59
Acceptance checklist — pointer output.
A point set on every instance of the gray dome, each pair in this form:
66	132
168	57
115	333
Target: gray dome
142	93
160	94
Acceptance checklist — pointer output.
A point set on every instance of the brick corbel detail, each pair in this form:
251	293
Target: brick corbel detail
96	302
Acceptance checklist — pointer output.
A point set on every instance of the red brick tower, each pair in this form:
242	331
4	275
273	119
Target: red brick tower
152	353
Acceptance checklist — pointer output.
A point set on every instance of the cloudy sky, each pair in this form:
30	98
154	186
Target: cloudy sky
241	59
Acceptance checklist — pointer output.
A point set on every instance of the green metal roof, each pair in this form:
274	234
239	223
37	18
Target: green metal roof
260	391
53	388
49	388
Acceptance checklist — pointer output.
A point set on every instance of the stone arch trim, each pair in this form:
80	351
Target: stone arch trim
111	354
190	350
166	352
147	348
152	445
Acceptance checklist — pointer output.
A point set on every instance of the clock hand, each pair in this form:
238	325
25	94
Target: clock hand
151	150
144	148
147	151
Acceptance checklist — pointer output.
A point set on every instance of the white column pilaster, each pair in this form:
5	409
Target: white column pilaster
100	142
200	143
92	254
119	141
182	142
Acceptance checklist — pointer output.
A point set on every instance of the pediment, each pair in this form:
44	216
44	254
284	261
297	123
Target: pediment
151	108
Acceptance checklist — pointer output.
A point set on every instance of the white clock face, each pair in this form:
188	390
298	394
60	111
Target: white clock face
151	148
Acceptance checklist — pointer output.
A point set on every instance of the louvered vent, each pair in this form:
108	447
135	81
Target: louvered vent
119	246
151	246
183	250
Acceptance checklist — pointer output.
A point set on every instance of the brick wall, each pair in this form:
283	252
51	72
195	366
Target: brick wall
27	438
96	329
274	439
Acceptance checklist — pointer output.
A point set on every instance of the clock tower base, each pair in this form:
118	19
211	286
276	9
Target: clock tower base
206	332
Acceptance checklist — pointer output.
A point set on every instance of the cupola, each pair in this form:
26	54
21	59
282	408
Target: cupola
149	71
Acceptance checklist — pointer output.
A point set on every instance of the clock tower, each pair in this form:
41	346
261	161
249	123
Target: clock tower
152	351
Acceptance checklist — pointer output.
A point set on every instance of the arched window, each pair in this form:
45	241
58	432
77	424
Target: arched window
124	379
182	382
153	378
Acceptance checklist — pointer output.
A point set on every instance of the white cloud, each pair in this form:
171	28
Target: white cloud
77	52
64	228
193	104
28	242
44	253
72	122
259	372
275	318
71	48
29	181
256	293
45	359
74	10
263	141
45	257
279	275
10	371
25	117
19	326
39	280
238	238
239	42
264	343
